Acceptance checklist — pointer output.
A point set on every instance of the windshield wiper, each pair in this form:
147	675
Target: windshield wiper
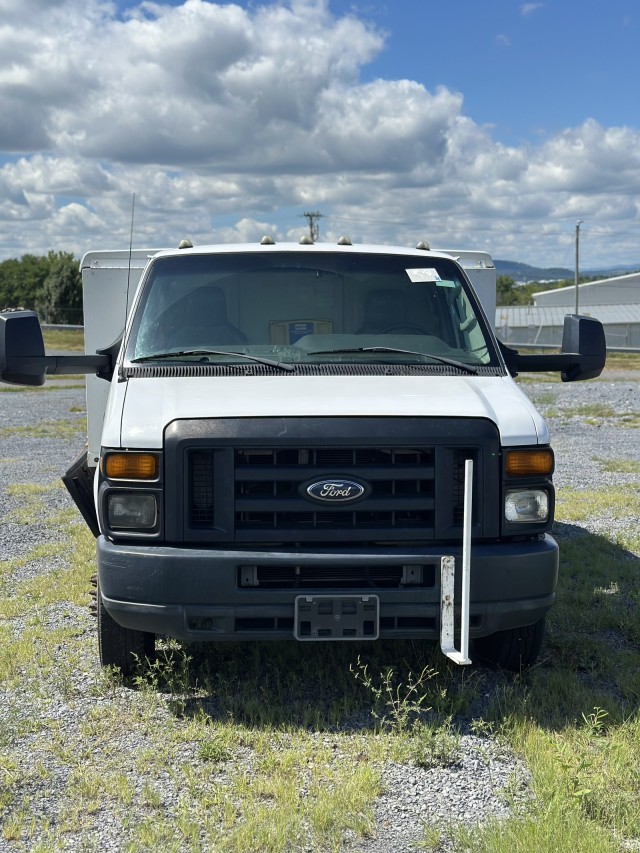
270	362
469	368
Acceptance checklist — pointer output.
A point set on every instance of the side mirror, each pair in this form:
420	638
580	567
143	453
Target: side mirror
583	354
583	336
22	358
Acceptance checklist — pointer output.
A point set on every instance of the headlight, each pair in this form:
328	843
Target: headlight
526	505
131	510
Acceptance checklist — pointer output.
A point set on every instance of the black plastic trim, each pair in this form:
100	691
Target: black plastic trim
224	437
78	481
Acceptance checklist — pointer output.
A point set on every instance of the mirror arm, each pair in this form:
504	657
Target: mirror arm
62	365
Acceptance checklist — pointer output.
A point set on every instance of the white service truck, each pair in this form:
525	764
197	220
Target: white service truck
310	441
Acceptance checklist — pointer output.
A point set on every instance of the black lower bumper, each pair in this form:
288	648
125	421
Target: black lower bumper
196	594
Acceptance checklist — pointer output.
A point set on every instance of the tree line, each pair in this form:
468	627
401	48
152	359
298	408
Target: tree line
49	284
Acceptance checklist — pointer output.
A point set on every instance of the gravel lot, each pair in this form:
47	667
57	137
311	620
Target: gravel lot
468	791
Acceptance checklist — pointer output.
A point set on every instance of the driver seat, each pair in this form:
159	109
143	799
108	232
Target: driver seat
200	318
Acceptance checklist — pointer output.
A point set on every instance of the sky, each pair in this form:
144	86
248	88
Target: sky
494	125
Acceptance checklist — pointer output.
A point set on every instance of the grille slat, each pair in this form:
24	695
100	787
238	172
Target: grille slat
331	456
201	488
287	473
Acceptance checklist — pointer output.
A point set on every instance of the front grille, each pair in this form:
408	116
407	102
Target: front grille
269	488
246	481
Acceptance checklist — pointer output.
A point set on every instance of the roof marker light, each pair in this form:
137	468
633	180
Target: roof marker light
267	241
424	245
185	244
345	241
305	240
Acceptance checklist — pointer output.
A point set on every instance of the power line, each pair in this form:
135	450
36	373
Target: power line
314	227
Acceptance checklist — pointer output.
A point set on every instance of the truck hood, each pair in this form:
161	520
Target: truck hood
140	409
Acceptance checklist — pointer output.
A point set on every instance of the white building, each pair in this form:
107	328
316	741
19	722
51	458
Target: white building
613	301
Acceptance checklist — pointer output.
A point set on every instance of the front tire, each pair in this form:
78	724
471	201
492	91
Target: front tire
514	649
123	648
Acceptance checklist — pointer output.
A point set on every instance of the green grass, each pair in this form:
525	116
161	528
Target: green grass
619	466
71	340
52	386
623	361
279	747
580	505
63	428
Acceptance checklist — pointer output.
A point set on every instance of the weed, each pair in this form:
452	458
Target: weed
435	746
168	673
595	721
397	704
214	751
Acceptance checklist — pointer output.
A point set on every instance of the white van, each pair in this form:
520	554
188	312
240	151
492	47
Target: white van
310	441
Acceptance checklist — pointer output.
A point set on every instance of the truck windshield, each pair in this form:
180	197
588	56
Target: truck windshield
309	307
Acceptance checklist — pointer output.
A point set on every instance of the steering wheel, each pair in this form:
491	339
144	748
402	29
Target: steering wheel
411	328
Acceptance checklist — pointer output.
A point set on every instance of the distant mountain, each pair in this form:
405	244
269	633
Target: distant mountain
622	269
525	272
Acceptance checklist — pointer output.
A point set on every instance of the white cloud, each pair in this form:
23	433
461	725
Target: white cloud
217	117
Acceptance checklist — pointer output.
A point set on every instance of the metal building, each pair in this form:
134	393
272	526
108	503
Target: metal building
613	301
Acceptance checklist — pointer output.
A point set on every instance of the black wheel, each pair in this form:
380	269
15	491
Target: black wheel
515	649
123	648
409	328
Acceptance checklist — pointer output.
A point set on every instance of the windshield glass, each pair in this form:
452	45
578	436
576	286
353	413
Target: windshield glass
299	307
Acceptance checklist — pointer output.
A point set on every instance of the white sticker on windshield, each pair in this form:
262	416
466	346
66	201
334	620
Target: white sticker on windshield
426	274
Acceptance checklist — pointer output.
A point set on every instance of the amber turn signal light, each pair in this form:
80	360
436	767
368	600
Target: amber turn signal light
527	462
131	466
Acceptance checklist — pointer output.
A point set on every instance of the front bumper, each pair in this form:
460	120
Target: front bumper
194	593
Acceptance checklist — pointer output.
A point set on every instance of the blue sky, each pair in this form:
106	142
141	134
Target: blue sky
526	69
489	124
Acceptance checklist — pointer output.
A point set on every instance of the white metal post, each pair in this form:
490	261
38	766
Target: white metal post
447	583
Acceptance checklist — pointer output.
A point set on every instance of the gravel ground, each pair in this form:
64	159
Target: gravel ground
469	791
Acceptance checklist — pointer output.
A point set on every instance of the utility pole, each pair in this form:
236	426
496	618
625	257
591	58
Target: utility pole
314	227
578	224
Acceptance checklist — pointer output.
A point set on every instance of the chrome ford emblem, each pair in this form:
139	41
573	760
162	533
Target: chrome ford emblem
336	490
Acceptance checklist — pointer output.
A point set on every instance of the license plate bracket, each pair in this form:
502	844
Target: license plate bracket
336	617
